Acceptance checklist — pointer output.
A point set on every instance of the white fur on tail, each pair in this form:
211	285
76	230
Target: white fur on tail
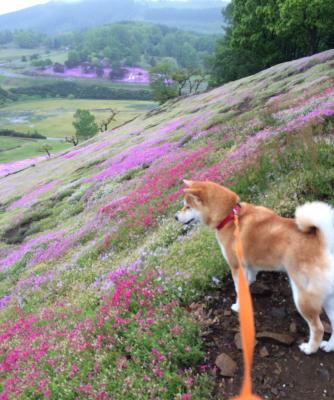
320	215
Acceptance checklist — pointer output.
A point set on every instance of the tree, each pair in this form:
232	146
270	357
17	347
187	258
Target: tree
181	77
72	139
84	124
117	70
262	33
161	82
47	149
189	79
106	122
73	59
27	39
308	25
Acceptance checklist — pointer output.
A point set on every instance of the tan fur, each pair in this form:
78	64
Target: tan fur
270	243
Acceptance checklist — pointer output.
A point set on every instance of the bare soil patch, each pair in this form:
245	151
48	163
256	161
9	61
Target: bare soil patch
280	370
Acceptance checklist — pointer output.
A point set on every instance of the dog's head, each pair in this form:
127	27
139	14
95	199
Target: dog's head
206	202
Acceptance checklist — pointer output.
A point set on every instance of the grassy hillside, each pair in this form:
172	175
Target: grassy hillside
95	272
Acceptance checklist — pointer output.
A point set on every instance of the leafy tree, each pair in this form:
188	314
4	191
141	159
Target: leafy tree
181	77
189	79
28	39
161	82
84	124
307	24
117	72
73	59
5	37
263	33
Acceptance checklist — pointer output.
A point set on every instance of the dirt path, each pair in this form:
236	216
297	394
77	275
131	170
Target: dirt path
280	370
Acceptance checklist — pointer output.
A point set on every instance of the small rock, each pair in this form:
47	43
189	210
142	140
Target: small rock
264	352
278	312
324	374
293	327
227	313
238	342
282	338
226	365
277	370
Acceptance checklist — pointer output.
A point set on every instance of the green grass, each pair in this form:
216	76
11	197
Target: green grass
53	117
11	54
14	55
14	149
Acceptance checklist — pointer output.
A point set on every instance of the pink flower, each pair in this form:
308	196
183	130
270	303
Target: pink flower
158	372
186	396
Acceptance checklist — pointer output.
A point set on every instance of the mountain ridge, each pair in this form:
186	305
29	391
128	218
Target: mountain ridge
58	17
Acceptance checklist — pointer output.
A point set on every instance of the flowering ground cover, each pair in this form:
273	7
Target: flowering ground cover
95	275
131	75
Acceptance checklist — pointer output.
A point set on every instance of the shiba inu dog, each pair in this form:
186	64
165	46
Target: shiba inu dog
303	247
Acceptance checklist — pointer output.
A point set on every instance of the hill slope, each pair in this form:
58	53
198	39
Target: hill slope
59	17
89	245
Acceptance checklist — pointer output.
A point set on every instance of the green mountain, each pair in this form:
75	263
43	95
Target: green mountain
94	271
59	17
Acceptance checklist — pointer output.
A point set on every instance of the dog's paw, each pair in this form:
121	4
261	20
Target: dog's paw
327	346
306	348
235	307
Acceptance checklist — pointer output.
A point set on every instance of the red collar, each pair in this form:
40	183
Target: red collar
230	217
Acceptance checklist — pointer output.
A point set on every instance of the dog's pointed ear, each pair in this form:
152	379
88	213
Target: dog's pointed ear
195	193
187	182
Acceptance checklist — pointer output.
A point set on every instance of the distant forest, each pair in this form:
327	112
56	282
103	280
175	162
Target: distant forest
132	43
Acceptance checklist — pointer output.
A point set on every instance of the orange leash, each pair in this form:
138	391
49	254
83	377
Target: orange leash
246	319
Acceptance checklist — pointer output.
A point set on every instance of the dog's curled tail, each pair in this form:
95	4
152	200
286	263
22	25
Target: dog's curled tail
317	215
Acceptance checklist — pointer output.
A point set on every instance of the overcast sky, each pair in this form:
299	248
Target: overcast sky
7	6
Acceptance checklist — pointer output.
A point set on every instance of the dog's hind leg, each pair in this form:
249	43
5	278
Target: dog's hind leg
329	308
310	308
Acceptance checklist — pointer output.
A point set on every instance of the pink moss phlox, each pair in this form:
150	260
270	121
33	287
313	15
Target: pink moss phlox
24	248
4	301
34	343
8	168
32	196
88	149
138	155
61	244
160	187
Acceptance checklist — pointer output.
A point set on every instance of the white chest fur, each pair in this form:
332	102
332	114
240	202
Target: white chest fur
221	248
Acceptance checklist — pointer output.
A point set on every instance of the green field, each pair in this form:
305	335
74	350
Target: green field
14	54
53	118
14	149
